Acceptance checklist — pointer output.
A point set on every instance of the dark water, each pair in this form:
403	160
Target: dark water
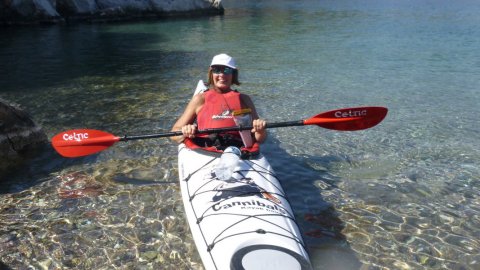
403	195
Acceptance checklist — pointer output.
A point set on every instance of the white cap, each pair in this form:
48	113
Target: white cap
223	60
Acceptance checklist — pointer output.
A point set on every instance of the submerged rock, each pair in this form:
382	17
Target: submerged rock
55	11
20	136
79	185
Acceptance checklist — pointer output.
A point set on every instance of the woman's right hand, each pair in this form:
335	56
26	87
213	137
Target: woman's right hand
189	131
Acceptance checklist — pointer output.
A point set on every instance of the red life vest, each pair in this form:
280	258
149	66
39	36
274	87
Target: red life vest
217	113
217	109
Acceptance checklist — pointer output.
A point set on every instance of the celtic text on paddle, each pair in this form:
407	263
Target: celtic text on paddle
75	136
350	113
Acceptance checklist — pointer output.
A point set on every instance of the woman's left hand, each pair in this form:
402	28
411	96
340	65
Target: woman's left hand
259	125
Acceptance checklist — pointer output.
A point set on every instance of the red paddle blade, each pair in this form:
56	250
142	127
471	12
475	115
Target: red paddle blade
82	142
349	119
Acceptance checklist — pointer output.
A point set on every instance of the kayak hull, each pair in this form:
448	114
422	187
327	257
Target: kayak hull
243	223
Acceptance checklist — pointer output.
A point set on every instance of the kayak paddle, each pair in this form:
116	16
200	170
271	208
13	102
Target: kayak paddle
83	142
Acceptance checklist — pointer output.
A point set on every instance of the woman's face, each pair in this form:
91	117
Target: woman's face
222	77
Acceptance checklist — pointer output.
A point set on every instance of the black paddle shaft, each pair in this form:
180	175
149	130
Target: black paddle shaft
211	130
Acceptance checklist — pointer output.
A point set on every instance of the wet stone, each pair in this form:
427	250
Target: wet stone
45	264
149	255
401	265
20	136
7	238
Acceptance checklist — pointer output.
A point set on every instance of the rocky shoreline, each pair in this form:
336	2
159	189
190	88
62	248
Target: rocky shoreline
28	12
20	136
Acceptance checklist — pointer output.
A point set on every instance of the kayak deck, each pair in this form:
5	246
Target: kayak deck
243	223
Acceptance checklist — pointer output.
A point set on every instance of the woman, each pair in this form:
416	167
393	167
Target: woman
213	108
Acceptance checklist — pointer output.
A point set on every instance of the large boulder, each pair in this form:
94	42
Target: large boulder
19	136
54	11
28	11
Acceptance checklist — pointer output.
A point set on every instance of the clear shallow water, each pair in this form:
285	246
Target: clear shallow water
403	195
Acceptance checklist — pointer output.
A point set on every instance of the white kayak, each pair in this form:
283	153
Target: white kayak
243	223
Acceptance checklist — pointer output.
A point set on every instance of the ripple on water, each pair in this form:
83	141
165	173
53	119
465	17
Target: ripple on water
97	223
425	234
403	195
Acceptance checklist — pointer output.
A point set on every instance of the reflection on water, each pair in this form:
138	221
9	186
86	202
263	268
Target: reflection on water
403	195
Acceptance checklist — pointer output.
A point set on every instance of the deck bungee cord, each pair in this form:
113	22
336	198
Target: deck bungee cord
248	212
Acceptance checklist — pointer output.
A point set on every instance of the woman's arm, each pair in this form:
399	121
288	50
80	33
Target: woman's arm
185	122
259	130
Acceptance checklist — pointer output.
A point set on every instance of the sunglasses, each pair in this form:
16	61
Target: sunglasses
224	70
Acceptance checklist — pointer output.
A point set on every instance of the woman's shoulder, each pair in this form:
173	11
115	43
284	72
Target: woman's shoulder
198	99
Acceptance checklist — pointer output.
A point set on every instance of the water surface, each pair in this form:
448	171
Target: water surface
403	195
